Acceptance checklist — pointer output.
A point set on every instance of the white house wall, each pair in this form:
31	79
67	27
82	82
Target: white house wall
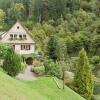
19	51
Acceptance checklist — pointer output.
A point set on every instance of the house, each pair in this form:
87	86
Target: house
19	38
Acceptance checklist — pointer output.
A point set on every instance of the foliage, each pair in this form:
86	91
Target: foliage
95	61
63	18
40	37
96	88
83	76
52	48
53	68
23	66
3	50
2	16
96	44
12	63
2	19
39	70
45	10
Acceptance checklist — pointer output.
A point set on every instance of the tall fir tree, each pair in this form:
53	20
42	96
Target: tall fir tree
83	76
53	49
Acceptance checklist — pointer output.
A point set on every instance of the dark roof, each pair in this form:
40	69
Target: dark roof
1	33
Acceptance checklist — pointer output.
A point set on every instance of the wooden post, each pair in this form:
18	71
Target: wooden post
63	81
63	78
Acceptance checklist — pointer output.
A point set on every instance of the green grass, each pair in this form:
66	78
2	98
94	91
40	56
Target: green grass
42	89
12	89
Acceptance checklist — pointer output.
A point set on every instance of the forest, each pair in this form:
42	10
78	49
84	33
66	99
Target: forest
61	26
75	23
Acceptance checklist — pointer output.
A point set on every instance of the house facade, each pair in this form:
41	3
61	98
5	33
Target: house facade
19	38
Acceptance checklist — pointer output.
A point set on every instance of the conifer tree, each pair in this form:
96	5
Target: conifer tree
83	77
52	48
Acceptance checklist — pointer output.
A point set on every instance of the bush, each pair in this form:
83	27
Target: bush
95	59
96	88
96	65
12	63
23	66
40	70
52	68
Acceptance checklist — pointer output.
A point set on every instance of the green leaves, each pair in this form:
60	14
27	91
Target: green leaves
11	61
53	48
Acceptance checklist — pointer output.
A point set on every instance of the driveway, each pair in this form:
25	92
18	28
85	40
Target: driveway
27	74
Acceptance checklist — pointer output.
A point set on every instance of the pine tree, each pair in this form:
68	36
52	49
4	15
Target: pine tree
52	48
83	77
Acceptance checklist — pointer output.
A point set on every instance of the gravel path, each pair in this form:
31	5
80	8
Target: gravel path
27	74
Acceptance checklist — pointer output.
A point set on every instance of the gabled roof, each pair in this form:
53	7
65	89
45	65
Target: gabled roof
22	29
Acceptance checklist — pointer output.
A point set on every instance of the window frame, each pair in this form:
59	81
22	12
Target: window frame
25	47
15	36
20	36
17	27
11	36
28	47
24	36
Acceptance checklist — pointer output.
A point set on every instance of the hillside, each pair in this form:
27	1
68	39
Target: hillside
11	89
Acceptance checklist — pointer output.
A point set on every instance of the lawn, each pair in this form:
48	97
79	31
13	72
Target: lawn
42	89
47	87
12	89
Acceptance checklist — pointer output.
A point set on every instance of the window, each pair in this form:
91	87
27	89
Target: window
17	27
24	36
15	36
20	37
22	47
28	47
11	36
25	47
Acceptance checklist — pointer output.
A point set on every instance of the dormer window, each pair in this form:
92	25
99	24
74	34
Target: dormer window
11	36
15	36
20	37
24	36
17	27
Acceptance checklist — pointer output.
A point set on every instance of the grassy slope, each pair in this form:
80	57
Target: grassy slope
42	89
11	89
49	89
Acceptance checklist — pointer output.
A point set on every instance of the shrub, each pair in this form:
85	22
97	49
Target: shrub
52	68
96	88
40	70
96	65
95	59
23	66
12	63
